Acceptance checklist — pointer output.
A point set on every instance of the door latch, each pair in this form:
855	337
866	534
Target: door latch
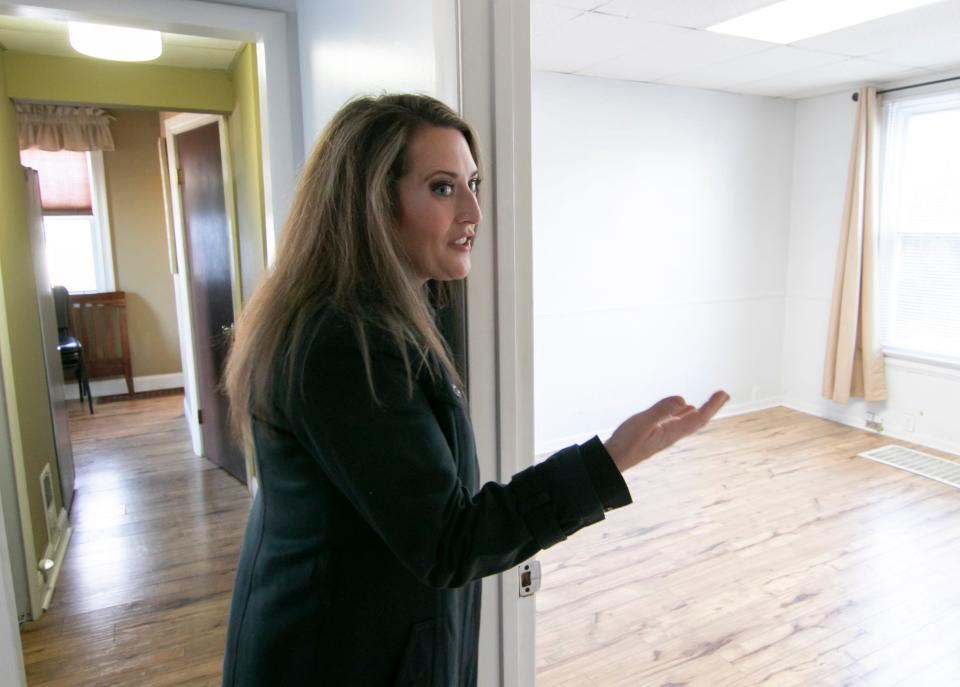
529	578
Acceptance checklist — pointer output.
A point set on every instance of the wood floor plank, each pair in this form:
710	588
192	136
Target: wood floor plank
143	597
760	552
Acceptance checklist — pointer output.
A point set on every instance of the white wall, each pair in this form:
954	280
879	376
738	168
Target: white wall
922	399
363	48
661	219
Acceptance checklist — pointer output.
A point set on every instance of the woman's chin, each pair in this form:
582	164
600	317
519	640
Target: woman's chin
456	272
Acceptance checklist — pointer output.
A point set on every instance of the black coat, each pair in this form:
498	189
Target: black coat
370	533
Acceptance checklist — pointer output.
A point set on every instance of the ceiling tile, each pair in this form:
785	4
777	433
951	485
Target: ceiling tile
941	54
852	73
932	23
756	66
576	4
688	13
591	38
546	18
685	50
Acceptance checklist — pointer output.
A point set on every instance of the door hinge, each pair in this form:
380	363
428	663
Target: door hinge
529	578
199	417
179	176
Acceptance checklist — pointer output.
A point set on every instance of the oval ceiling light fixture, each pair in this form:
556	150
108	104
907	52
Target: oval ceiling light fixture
115	42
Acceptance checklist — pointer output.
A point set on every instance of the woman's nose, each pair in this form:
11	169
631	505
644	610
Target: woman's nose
469	211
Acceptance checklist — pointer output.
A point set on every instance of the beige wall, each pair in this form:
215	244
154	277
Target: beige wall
135	199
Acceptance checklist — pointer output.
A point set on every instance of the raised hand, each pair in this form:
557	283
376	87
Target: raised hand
659	426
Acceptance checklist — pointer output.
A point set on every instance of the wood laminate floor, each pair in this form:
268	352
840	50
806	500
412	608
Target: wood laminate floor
143	596
760	552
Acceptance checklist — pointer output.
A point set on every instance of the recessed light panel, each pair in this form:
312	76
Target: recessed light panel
793	20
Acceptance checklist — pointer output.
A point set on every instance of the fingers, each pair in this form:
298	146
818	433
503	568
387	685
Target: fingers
713	404
693	419
666	408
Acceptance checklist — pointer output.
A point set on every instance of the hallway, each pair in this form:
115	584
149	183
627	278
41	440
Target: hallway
145	588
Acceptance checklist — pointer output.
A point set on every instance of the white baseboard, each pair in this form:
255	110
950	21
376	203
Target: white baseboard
118	385
744	407
854	418
57	557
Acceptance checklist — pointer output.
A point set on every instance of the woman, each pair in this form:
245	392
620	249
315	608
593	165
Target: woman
370	533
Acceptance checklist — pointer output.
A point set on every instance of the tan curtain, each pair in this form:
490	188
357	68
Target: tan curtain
854	363
60	127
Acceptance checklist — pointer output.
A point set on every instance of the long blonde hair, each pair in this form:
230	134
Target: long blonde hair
339	251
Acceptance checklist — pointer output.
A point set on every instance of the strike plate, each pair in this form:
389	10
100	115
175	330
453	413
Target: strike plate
529	578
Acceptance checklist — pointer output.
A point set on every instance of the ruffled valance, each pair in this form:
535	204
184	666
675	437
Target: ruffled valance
61	127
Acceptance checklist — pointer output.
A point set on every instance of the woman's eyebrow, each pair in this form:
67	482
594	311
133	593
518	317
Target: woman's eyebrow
449	173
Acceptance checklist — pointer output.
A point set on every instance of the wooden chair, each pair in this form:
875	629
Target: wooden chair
99	320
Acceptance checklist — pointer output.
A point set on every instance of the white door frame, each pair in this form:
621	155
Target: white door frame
173	126
495	99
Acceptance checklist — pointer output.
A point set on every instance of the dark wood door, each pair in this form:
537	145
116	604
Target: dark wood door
211	295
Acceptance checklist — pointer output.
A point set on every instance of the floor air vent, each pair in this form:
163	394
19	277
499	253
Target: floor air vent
919	463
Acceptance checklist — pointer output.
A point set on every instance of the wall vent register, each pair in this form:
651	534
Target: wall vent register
917	462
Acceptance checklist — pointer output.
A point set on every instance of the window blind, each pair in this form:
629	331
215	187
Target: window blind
64	180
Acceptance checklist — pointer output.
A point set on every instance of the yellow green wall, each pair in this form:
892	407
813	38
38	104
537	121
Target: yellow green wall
244	126
130	84
135	201
25	381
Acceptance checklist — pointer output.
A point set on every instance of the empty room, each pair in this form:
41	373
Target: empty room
761	202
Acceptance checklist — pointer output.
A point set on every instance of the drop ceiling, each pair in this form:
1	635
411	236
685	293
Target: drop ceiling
47	37
665	41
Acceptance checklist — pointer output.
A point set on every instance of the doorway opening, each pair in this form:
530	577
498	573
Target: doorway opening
265	34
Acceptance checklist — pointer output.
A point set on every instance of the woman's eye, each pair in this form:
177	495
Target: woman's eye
474	185
443	189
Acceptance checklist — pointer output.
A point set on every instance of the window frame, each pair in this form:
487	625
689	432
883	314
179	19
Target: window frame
897	110
102	236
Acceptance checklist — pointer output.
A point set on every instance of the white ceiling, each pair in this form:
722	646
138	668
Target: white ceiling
664	41
47	37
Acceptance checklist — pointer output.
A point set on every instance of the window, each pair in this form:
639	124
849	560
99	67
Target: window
76	233
920	228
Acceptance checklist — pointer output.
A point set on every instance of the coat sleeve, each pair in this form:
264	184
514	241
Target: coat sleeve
394	465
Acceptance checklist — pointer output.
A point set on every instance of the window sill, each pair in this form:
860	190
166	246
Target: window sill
923	362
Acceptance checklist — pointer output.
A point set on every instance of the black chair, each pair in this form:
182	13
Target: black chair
71	350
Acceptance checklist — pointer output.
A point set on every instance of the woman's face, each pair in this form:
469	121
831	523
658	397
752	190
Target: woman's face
439	210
